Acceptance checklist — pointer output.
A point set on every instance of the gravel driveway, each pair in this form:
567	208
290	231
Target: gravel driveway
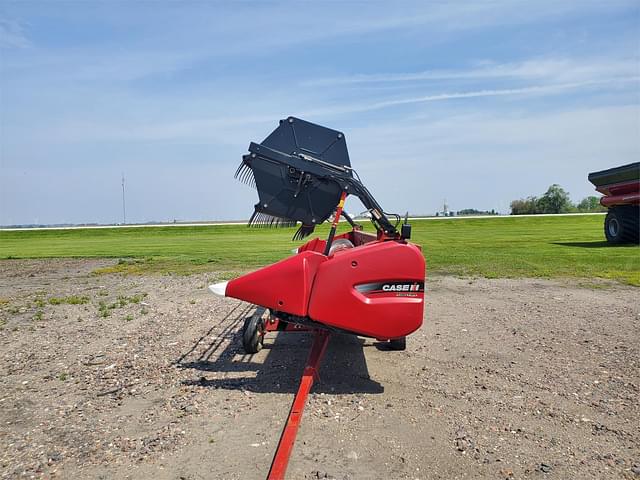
112	377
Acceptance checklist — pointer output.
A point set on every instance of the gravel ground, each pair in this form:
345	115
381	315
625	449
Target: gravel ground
111	377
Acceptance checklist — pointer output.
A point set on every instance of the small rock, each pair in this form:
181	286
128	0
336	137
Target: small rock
352	455
545	468
54	457
463	441
320	474
636	468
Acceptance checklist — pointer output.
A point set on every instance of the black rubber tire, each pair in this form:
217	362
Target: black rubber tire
398	344
622	224
253	334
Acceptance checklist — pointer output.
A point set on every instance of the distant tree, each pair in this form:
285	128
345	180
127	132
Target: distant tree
555	200
474	211
590	204
524	206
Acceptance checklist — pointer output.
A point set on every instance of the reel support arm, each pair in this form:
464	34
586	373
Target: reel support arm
378	216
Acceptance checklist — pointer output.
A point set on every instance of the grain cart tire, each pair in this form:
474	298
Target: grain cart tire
631	223
398	344
253	334
621	225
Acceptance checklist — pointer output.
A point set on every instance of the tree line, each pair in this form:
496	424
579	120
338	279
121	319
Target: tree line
555	200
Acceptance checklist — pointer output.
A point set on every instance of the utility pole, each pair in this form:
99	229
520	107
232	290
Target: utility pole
124	210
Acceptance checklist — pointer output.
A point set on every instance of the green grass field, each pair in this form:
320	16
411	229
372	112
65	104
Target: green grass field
561	246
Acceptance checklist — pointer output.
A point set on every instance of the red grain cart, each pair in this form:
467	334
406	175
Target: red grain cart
621	189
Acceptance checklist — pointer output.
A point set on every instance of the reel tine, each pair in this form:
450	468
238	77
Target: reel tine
251	179
239	169
303	231
244	174
253	216
264	220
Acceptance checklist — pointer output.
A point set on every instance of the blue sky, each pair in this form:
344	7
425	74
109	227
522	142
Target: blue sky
479	103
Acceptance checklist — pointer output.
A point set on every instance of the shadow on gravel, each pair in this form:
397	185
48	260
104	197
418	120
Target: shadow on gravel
343	369
229	325
603	244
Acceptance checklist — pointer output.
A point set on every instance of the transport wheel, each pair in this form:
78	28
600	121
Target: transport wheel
631	223
253	333
398	344
622	224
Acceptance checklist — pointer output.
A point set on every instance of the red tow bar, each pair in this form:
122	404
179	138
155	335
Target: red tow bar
288	437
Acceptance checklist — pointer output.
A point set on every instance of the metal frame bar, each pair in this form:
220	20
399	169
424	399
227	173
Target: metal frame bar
274	324
287	439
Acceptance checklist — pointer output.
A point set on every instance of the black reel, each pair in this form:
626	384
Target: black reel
300	171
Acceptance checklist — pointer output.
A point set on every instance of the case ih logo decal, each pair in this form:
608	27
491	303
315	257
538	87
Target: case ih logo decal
399	287
404	287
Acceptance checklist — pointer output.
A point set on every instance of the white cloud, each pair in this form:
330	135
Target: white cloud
529	90
484	159
222	128
550	69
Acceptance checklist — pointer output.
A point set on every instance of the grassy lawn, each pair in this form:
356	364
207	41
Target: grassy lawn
493	247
